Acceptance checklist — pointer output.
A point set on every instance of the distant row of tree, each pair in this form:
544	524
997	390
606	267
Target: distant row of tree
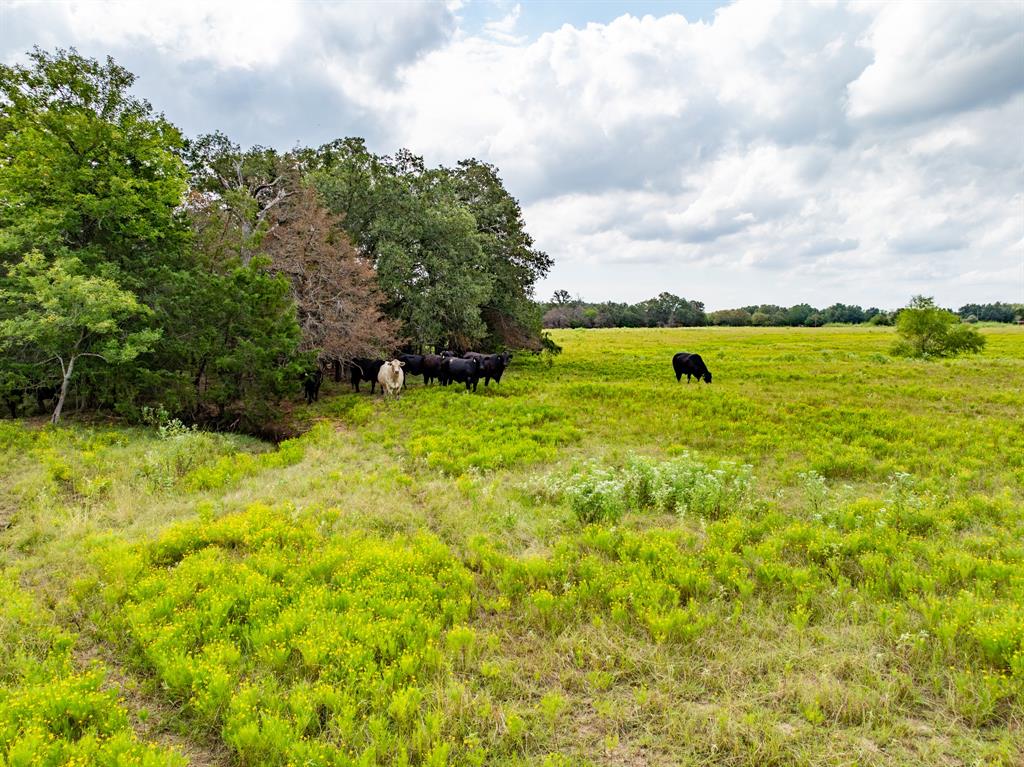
138	267
668	310
997	312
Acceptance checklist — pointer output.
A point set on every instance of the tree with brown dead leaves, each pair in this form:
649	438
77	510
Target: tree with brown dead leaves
334	288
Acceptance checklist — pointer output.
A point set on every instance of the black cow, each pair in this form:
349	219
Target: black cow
311	381
15	397
688	364
461	370
431	368
493	365
413	364
364	369
447	353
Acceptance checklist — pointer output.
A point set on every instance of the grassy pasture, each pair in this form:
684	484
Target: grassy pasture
818	559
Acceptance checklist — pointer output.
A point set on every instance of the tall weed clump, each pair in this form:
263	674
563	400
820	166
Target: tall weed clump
679	485
179	451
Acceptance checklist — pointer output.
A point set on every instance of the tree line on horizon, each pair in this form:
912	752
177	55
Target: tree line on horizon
668	310
142	268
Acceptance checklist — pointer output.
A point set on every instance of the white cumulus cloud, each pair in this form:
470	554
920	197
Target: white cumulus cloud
779	152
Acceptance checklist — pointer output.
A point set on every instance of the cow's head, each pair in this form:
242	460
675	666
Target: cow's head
707	377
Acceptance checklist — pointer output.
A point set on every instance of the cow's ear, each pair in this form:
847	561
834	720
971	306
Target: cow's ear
401	364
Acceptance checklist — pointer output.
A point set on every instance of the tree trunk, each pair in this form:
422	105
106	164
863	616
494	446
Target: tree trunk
63	391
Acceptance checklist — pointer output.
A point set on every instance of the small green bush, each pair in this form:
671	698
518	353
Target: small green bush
680	485
927	331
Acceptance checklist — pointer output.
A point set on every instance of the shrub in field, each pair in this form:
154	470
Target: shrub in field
927	331
51	714
597	495
180	451
301	648
680	485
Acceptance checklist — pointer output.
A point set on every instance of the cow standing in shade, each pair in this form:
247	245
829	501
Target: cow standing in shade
311	381
493	365
689	365
461	370
413	363
431	368
391	378
365	370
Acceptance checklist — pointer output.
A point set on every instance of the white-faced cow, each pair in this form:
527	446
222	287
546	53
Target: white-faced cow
391	378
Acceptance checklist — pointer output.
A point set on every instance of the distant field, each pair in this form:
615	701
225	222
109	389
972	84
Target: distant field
818	559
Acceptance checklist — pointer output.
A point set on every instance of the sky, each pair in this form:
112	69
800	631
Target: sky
734	153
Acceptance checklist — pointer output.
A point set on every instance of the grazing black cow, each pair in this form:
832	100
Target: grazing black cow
413	364
688	364
431	368
364	369
311	381
461	370
493	365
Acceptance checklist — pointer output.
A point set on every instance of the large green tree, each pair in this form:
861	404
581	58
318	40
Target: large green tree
511	315
90	175
234	353
57	316
88	170
421	237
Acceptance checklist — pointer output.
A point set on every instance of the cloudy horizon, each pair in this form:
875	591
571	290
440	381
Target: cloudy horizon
741	153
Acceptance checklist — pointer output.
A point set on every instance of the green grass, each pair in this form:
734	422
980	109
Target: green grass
818	559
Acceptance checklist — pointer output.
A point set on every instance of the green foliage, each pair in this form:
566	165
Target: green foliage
54	314
90	170
96	186
235	353
682	485
52	715
292	641
864	588
996	312
421	237
512	318
928	331
450	246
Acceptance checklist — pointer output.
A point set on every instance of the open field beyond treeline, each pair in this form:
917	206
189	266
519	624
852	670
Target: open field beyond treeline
818	559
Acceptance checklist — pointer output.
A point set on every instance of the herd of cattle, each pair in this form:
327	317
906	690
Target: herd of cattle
447	368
